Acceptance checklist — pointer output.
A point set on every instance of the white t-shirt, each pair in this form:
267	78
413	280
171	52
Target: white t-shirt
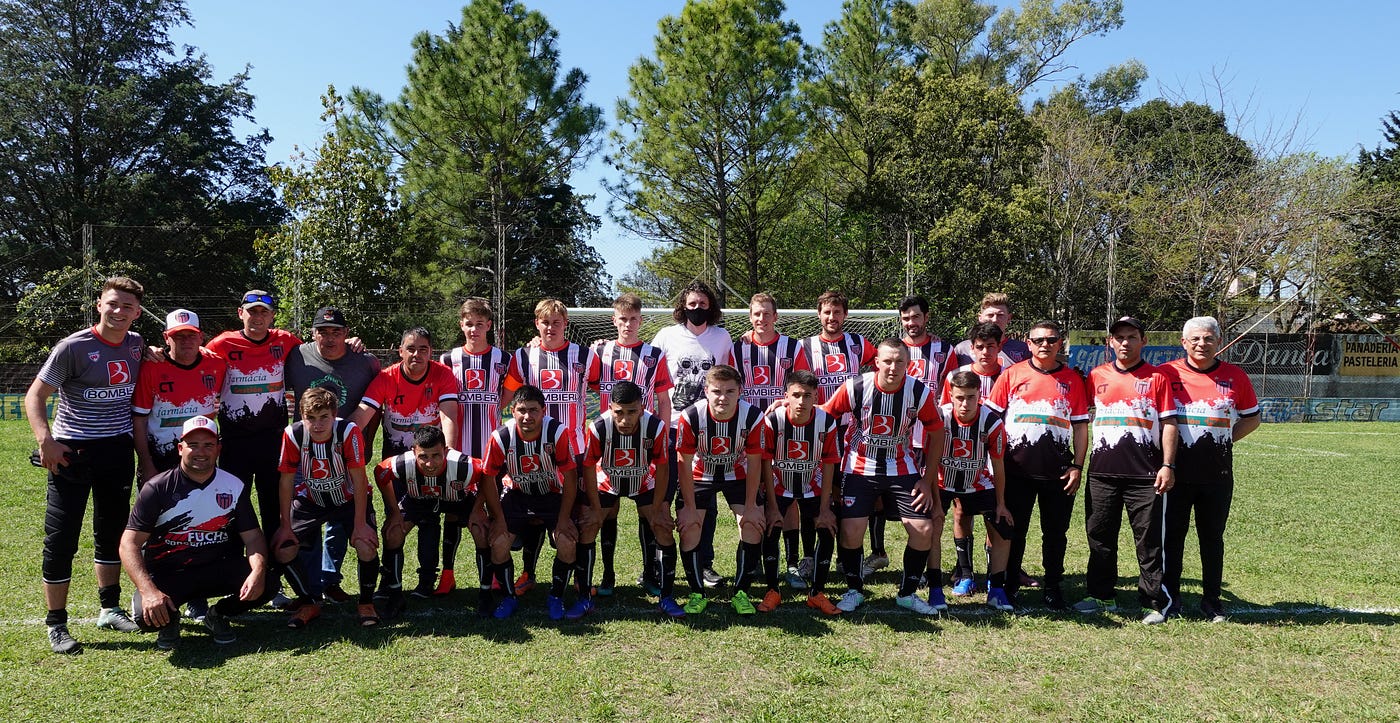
688	357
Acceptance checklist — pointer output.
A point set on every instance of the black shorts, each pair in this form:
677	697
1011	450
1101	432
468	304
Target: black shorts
307	518
807	507
609	500
897	493
415	510
979	502
707	495
524	511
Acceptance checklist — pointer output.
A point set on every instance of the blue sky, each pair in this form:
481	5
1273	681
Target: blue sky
1313	72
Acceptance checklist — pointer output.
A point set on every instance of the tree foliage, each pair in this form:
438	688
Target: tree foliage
104	122
487	133
709	136
344	243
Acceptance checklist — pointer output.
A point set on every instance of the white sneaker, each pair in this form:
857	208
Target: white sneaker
915	604
850	601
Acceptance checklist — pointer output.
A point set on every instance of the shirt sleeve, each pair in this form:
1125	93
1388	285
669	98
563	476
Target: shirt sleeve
515	378
384	473
447	384
996	441
662	382
659	456
1245	399
685	436
377	392
563	451
59	366
840	402
1162	396
495	459
353	448
244	519
928	414
143	511
867	352
595	447
945	394
753	441
830	453
1000	390
144	398
290	458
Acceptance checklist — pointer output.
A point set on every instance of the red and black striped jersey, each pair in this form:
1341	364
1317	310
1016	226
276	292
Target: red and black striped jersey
457	483
480	379
626	463
931	361
835	361
641	364
879	440
405	405
324	466
564	375
798	451
1209	402
765	366
1129	406
1039	410
720	447
968	450
532	466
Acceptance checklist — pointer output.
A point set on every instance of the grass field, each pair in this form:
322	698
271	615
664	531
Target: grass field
1311	545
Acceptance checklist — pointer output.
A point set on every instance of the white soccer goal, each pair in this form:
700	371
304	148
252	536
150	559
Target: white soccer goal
589	324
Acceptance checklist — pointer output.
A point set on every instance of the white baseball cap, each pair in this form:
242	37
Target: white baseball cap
199	423
180	320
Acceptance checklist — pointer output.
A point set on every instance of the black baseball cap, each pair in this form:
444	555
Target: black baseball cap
1128	321
328	316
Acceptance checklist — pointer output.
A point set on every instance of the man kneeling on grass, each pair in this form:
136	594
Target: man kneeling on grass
191	536
329	454
971	475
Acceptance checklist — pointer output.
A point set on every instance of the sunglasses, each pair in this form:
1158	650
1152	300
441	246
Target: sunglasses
257	299
1044	340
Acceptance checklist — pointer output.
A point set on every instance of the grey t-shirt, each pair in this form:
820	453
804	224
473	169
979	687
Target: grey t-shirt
95	382
347	377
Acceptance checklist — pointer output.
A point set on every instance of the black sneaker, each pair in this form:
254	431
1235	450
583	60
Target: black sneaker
1054	598
196	609
169	636
485	603
711	578
1213	612
425	589
218	626
63	643
390	605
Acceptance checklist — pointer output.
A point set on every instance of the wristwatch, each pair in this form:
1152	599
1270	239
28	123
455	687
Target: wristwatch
1169	465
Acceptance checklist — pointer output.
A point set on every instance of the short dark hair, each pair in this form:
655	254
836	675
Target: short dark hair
124	284
428	436
1046	324
698	287
910	302
890	342
803	378
985	331
626	392
528	393
832	296
965	380
419	332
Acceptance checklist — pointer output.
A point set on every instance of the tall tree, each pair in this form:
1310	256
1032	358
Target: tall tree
488	133
104	122
707	151
1020	48
1371	283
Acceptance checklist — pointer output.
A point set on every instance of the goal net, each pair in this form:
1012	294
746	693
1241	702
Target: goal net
589	324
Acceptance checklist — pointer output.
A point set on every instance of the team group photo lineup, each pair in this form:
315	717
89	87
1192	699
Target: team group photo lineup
228	470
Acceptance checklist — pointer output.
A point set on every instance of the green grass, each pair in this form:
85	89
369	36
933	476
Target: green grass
1312	537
